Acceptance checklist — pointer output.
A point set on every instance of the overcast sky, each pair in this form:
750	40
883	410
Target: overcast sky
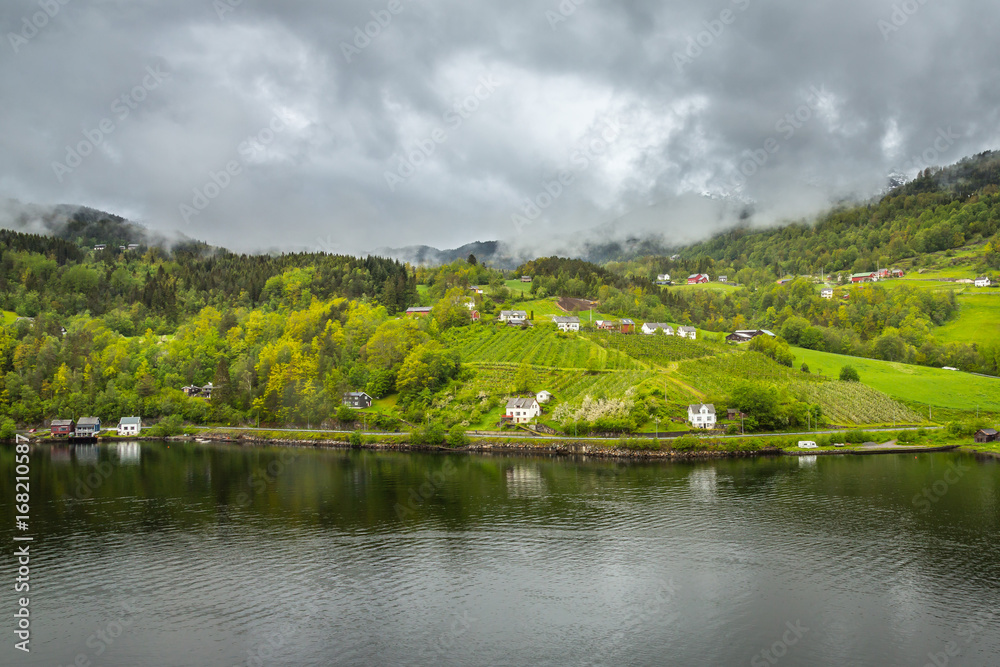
255	124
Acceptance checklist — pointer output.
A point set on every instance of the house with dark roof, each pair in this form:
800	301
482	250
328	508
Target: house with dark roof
987	435
522	410
62	428
567	323
87	427
357	399
627	326
702	415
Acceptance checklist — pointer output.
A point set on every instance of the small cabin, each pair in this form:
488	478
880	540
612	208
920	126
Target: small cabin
62	428
357	399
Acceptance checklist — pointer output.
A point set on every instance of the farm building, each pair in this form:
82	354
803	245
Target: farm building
525	279
129	425
987	435
698	279
62	428
687	332
357	399
702	416
871	276
418	311
652	327
474	315
567	323
522	410
543	396
87	427
515	316
194	391
607	325
983	282
627	326
733	413
747	335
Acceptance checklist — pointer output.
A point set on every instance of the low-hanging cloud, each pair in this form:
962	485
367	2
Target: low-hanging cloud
389	137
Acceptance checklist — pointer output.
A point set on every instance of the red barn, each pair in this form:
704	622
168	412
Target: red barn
697	279
863	277
627	327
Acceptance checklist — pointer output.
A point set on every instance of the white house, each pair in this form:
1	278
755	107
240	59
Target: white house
687	332
662	278
723	279
983	282
827	293
652	327
701	415
516	316
129	426
543	396
522	410
567	323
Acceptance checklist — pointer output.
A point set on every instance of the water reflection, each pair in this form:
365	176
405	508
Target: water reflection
703	484
86	454
525	482
129	453
808	461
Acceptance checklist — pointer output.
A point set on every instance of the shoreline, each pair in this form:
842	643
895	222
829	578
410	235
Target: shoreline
567	447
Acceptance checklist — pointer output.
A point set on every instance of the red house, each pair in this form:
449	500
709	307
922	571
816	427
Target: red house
698	279
62	428
627	327
474	315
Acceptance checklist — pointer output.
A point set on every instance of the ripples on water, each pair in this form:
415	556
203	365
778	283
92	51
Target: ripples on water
505	561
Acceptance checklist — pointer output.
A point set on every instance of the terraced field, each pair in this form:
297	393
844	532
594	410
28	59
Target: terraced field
854	403
539	347
657	348
720	374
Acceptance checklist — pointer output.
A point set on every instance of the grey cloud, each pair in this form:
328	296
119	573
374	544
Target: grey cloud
322	179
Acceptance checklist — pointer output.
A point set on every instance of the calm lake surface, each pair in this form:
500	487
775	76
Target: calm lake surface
210	555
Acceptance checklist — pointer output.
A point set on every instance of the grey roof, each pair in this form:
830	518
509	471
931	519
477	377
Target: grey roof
130	421
627	321
88	421
988	431
686	329
699	406
566	320
517	314
519	402
356	393
656	325
419	309
61	422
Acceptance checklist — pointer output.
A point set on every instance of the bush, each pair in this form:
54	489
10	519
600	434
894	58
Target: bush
432	434
857	436
804	368
354	439
346	415
732	429
168	426
685	443
457	437
8	429
848	374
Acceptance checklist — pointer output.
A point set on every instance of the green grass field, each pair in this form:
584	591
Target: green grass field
914	385
517	286
7	317
978	320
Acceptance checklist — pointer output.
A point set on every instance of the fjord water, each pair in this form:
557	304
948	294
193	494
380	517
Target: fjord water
187	554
